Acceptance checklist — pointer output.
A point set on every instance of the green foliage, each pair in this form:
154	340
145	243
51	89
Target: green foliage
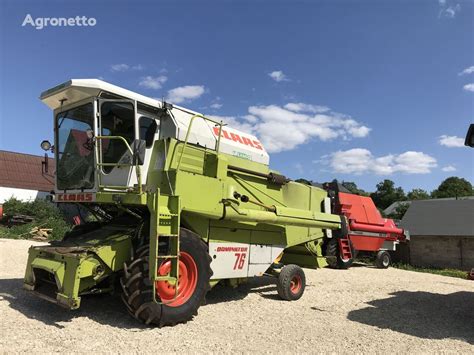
445	272
387	193
352	187
453	187
303	181
418	194
400	211
45	214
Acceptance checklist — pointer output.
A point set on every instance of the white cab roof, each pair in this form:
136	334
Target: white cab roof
233	142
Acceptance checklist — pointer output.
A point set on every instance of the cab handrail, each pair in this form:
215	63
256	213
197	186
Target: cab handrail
100	163
219	123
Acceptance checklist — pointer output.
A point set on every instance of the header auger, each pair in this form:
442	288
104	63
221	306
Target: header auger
180	202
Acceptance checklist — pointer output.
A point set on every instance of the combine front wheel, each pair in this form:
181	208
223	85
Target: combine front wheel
194	271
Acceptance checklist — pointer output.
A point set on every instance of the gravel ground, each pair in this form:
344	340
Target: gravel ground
362	309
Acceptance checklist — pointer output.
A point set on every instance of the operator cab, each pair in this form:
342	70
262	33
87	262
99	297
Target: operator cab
104	136
99	126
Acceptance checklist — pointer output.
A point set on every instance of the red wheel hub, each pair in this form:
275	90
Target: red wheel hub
187	281
295	284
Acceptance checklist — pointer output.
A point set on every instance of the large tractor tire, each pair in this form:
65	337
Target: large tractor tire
291	282
332	249
383	259
194	275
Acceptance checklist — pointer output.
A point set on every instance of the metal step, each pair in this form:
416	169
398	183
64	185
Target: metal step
166	278
167	257
171	225
345	248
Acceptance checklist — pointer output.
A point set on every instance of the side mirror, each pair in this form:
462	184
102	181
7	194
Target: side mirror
138	148
470	137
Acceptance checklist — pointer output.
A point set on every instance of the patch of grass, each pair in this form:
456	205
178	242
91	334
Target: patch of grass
45	214
444	272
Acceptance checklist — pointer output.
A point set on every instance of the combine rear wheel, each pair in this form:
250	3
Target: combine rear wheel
291	282
194	275
383	259
336	262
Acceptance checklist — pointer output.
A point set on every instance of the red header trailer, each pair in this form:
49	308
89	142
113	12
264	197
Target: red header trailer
367	231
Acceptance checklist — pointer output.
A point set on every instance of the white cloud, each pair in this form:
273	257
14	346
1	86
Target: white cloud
448	11
280	129
119	67
449	168
469	87
301	107
451	141
185	93
125	67
216	106
466	71
278	76
151	82
361	161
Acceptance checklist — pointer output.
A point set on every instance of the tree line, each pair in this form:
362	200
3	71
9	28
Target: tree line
387	193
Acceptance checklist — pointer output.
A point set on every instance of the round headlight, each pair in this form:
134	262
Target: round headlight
45	145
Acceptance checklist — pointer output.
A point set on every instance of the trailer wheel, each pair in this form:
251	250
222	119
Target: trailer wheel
291	282
383	259
332	249
195	273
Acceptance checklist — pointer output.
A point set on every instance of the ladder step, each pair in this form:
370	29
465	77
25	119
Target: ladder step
167	256
165	278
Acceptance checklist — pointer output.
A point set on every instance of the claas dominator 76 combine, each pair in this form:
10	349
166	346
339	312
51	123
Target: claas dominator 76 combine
177	203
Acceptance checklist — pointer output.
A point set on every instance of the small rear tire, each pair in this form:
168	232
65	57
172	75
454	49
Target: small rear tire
383	259
291	282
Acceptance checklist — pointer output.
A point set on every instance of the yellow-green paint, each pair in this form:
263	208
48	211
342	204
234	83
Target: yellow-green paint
193	187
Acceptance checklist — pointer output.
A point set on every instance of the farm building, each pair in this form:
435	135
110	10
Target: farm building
393	207
442	233
24	176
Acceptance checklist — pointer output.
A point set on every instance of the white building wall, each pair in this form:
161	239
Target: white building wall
21	194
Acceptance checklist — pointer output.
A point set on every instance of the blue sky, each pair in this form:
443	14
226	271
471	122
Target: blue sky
357	90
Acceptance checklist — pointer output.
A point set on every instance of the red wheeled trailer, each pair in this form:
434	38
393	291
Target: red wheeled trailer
366	232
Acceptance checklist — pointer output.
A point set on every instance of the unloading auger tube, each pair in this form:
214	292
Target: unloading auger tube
179	203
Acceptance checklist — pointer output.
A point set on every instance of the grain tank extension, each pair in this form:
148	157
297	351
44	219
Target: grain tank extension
177	203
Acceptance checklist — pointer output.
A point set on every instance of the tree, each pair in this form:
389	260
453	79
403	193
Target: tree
303	181
352	187
453	187
418	194
400	211
387	193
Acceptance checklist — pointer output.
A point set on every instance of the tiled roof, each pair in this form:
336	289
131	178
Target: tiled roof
25	171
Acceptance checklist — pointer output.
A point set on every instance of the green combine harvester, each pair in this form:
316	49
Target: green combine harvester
177	203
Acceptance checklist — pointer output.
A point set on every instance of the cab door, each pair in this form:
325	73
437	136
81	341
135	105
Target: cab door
149	132
117	120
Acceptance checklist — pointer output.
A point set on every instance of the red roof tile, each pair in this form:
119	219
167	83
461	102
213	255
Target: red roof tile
25	171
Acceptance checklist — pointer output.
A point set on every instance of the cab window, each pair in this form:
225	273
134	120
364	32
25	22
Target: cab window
148	128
